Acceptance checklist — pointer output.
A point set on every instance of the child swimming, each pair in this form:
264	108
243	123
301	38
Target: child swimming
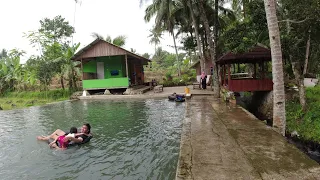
61	142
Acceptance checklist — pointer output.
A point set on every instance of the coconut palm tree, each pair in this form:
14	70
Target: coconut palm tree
3	53
212	50
240	7
155	37
164	11
279	112
118	41
196	30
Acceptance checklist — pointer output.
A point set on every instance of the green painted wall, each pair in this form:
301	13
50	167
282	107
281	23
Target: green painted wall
90	67
113	63
110	64
105	83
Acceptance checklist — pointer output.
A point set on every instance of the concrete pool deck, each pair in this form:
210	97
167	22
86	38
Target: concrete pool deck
220	141
150	94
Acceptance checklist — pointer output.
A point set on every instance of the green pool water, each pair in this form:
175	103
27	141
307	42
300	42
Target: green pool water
135	139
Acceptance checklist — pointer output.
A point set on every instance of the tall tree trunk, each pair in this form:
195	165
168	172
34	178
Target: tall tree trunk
190	57
215	36
62	82
194	51
196	30
74	79
70	81
279	111
177	56
305	68
204	53
244	7
204	18
296	68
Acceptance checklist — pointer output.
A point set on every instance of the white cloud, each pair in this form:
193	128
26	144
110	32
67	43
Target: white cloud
106	17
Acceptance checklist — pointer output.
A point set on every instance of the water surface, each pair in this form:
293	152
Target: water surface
135	139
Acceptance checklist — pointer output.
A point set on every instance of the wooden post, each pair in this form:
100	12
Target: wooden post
82	70
135	74
223	75
221	71
262	70
255	70
127	72
229	75
238	67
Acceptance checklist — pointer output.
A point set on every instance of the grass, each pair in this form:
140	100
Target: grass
16	100
307	124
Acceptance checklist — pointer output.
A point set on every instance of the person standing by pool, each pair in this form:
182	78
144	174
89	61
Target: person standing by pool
84	137
203	80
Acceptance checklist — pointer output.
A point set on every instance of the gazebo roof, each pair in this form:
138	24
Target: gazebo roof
255	54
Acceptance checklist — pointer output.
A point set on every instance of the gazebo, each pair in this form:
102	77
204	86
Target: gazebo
233	79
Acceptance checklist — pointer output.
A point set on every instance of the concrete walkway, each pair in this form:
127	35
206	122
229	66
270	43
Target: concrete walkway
225	142
150	94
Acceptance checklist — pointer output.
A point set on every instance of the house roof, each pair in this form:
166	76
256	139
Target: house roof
255	54
100	47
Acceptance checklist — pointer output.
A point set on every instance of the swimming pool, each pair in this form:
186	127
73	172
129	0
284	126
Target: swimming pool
133	139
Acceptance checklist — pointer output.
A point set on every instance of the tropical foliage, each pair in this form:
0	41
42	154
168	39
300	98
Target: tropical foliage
52	40
207	30
119	40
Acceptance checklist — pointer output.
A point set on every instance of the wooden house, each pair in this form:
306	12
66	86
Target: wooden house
107	66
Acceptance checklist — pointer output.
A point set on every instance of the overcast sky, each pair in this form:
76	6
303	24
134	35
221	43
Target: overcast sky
106	17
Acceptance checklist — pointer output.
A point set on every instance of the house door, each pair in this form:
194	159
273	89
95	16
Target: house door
100	70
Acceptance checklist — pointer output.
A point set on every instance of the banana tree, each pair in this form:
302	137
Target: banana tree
70	66
12	70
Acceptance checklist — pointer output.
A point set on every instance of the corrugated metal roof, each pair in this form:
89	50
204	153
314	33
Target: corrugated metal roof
255	54
100	47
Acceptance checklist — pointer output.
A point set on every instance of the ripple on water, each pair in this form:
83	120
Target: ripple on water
132	140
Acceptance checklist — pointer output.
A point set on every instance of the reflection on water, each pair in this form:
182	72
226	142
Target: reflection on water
132	140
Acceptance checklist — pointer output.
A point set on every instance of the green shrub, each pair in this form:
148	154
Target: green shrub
168	76
307	123
168	83
247	94
51	94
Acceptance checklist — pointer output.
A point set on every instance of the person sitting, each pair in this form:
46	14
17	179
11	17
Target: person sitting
72	132
62	142
78	139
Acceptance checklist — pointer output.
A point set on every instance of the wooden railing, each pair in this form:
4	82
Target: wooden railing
241	85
